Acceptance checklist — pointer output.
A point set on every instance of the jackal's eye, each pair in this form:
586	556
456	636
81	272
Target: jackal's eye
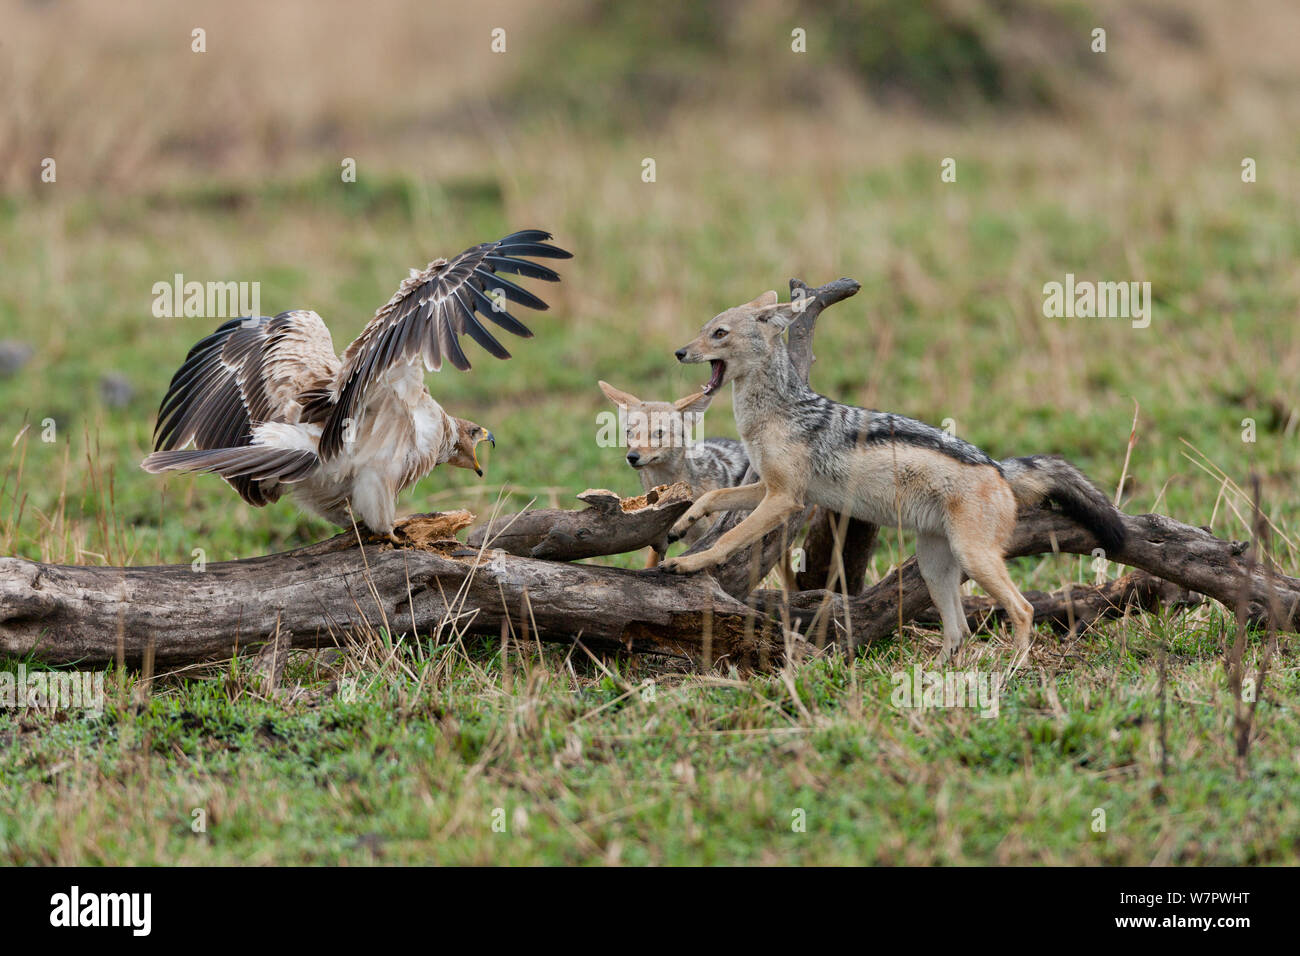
719	333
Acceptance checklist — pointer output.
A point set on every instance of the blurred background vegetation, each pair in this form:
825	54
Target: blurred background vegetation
769	163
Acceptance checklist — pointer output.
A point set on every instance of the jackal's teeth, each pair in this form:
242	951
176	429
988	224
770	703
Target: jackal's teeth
715	380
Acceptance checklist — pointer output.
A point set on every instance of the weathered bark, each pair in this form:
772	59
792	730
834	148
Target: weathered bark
92	615
742	572
1188	557
1073	608
823	556
611	525
805	305
1069	609
314	595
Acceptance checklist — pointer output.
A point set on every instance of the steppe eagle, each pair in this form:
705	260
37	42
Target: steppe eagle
269	407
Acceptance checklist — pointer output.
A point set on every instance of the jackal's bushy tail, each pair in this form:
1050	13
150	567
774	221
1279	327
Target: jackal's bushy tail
1039	478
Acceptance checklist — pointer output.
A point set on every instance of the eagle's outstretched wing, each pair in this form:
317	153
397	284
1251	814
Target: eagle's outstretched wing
247	373
428	314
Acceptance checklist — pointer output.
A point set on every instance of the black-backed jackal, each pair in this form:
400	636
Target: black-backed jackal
879	467
661	450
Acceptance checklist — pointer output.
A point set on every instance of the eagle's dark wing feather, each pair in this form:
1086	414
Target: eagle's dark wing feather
431	310
247	372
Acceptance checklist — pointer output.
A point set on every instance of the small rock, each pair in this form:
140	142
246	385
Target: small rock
13	356
116	390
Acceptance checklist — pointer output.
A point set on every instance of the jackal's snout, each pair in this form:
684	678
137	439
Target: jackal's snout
692	353
734	340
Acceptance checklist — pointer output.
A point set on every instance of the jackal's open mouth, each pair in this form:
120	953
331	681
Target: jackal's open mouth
715	381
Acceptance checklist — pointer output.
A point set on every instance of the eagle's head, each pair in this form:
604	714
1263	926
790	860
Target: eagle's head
464	452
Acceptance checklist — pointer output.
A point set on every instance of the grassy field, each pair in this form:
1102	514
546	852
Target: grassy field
409	748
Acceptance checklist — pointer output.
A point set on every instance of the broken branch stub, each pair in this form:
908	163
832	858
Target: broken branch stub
608	525
836	553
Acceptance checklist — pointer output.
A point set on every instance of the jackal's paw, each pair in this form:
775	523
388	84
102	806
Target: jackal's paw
685	564
948	654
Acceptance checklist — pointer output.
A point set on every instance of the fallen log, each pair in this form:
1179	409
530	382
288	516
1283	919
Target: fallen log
1073	608
1070	609
175	614
1191	558
316	595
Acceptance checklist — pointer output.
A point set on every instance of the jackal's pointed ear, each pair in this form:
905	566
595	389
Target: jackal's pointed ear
694	404
769	315
617	397
764	301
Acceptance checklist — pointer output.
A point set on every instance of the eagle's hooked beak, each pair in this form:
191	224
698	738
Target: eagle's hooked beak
485	436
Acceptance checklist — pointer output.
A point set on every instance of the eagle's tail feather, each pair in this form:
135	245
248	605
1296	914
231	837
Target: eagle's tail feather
254	462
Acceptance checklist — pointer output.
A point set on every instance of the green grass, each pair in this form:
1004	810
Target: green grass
580	762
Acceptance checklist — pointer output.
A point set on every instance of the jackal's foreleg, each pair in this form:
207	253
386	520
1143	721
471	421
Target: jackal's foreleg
741	498
771	512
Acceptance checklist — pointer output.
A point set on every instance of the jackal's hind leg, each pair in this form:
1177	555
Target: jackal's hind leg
989	571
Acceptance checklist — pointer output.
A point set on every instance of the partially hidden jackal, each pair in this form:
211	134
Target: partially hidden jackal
879	467
662	449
